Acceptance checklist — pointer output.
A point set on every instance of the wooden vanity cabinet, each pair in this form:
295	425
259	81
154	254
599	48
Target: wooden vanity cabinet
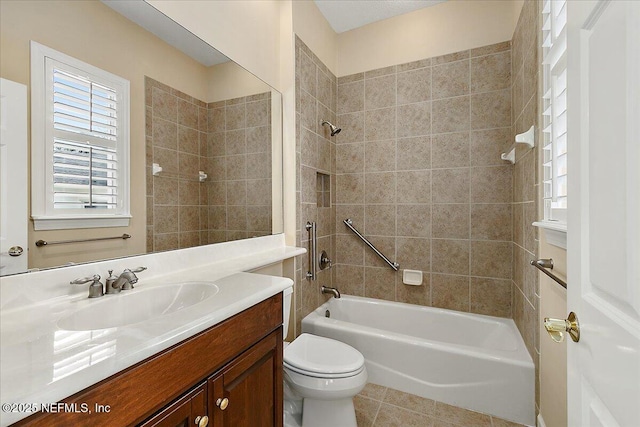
239	359
185	412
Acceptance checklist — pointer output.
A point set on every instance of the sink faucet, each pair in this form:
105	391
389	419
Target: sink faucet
124	281
95	289
333	291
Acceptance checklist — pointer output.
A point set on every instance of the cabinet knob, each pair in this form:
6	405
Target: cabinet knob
202	421
222	403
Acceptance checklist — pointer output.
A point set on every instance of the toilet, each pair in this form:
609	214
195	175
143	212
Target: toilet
321	377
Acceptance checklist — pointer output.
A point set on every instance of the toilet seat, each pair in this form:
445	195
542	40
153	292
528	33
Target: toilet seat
322	357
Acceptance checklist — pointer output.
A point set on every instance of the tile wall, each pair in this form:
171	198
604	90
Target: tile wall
526	182
315	153
418	169
231	142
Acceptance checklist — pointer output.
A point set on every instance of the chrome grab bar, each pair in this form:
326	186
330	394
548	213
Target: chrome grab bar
545	265
313	242
41	243
349	223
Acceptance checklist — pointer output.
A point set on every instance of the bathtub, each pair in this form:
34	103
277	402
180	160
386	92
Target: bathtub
467	360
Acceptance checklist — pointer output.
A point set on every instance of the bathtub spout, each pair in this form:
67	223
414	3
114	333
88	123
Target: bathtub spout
333	291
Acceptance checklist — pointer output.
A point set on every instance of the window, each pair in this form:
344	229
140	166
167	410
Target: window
554	116
80	143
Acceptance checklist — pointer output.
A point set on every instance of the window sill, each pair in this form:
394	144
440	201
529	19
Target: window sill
73	222
555	232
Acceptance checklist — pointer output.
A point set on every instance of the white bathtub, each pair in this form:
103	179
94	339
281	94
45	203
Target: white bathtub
467	360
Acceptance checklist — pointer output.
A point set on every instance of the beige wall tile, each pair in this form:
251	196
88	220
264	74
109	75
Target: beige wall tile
350	97
450	221
188	140
450	79
451	292
235	116
380	92
450	256
414	119
380	220
165	134
410	294
165	191
165	105
413	220
450	185
187	114
165	219
350	188
259	139
380	124
489	49
235	142
491	72
189	192
349	250
491	109
486	146
350	158
189	218
380	187
166	242
413	187
380	156
413	253
235	167
451	114
258	113
379	282
414	86
491	221
352	125
491	297
350	279
491	184
451	57
413	153
237	218
258	165
450	150
491	259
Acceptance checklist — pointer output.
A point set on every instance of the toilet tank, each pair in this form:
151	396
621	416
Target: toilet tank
287	295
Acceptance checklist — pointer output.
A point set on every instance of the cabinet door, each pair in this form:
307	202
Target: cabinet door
184	411
248	393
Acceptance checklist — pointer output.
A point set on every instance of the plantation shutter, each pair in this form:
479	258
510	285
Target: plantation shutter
85	139
554	116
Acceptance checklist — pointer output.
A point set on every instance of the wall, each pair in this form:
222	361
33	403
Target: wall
56	25
534	295
248	32
419	171
310	25
229	80
315	153
433	31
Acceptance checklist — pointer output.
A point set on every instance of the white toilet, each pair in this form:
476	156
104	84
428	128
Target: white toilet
324	375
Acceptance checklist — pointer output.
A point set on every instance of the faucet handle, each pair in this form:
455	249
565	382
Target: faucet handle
95	289
83	280
138	269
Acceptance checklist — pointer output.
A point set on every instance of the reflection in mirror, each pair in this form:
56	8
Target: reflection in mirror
201	122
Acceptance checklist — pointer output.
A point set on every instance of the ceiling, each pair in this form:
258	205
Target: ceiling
345	15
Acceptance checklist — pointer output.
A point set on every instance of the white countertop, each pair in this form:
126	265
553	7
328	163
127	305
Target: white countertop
43	363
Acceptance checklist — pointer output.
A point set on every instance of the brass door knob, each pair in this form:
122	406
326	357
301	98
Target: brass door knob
201	421
557	327
222	403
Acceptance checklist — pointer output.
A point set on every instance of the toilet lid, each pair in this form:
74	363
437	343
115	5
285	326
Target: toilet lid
320	355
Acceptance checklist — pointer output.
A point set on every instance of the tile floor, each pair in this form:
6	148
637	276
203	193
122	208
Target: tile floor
378	406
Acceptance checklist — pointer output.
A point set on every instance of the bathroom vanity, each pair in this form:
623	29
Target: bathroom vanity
227	375
197	341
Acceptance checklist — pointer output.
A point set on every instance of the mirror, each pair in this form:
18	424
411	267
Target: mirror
205	134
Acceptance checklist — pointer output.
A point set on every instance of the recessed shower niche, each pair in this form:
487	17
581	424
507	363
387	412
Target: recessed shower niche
323	190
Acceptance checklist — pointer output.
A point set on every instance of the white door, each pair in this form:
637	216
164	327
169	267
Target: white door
13	177
603	49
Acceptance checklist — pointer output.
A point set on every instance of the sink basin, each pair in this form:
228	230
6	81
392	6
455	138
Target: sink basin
129	307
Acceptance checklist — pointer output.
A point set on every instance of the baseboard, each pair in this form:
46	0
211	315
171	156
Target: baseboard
541	421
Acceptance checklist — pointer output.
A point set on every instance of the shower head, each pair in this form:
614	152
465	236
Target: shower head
334	129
